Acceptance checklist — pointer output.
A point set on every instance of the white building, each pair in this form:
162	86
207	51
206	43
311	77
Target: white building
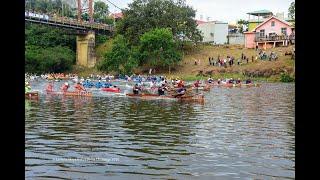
215	32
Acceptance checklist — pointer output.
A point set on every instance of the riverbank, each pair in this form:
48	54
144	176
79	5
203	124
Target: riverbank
257	70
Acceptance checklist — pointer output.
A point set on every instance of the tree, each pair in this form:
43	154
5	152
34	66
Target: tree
101	12
292	10
120	59
45	36
157	48
48	49
145	15
51	59
242	23
50	6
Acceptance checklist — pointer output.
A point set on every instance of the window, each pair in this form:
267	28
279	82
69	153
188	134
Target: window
284	31
262	33
272	23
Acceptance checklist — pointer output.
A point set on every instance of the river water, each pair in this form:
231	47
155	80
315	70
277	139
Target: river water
239	133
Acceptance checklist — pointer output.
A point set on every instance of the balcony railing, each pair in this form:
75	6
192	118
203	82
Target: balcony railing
274	38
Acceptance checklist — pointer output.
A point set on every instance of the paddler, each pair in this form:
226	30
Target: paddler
197	84
181	92
98	84
231	81
162	89
49	87
210	80
238	81
219	81
180	84
79	87
136	89
65	87
248	81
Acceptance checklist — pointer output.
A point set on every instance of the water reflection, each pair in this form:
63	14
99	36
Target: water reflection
238	133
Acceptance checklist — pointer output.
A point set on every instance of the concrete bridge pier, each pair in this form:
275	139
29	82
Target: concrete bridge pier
85	49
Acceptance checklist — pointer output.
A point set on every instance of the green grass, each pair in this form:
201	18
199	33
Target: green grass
103	48
227	75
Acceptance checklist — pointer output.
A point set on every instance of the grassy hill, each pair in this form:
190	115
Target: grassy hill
266	70
257	70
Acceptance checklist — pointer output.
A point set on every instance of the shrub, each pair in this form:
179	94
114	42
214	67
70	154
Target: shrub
285	77
51	59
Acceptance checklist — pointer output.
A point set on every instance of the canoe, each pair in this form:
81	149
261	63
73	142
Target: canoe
194	98
70	93
237	85
116	90
251	85
204	88
76	93
31	95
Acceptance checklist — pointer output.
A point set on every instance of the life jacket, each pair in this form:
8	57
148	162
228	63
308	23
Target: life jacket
49	87
79	87
65	87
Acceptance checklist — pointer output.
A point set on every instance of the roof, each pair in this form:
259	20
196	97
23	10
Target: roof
117	15
200	22
260	12
272	17
205	22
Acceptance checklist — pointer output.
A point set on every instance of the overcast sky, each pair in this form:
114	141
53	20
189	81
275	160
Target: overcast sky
224	10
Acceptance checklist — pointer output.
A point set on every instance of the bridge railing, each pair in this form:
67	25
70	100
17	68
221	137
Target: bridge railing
67	20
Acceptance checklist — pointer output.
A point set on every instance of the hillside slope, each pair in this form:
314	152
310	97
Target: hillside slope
255	69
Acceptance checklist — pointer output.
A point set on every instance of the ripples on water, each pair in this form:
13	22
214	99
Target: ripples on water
245	133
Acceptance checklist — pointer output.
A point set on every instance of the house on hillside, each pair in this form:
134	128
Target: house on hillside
116	16
214	32
271	32
257	17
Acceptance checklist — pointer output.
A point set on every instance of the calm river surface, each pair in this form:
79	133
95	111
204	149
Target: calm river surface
239	133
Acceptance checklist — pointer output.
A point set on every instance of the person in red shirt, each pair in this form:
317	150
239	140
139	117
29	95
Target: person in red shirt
180	84
49	87
197	83
65	87
79	87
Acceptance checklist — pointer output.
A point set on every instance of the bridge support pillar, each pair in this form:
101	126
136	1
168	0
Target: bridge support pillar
85	49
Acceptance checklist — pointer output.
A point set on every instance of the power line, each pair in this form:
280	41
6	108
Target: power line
114	5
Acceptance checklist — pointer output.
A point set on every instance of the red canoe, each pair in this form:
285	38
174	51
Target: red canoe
116	90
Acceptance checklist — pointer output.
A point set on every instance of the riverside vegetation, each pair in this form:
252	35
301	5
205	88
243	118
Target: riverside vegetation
147	38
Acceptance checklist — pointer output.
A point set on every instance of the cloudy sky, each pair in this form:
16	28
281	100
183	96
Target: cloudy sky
224	10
